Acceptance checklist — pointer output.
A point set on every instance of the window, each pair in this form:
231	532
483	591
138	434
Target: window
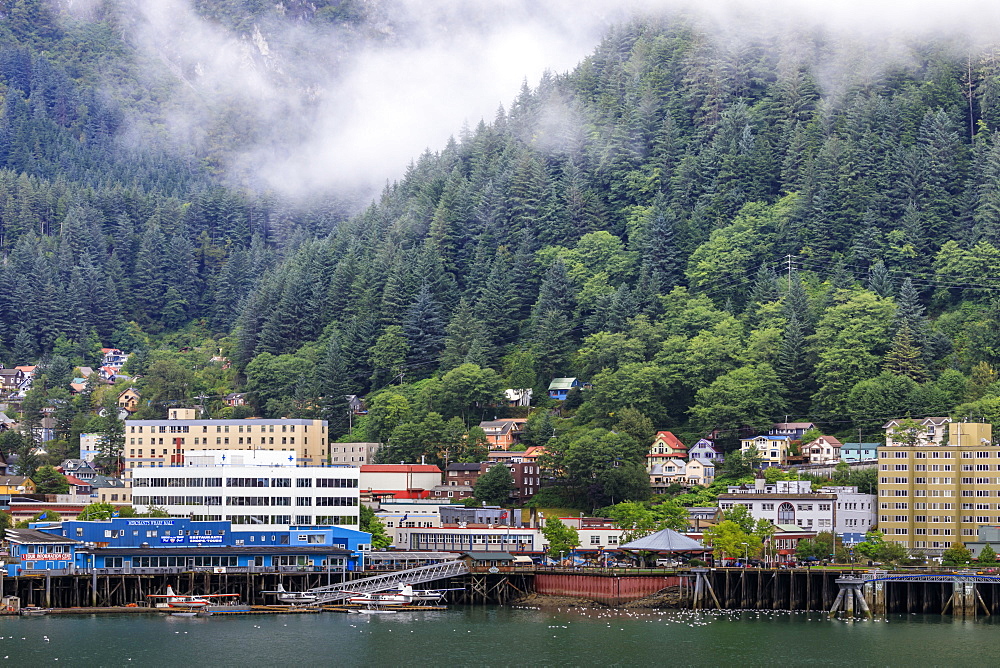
786	514
595	540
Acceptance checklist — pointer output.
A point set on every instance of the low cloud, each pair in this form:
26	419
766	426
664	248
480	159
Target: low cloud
314	107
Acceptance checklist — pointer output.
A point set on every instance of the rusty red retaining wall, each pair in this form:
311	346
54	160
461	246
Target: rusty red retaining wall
609	589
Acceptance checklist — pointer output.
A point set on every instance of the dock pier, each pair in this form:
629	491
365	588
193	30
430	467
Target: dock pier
873	593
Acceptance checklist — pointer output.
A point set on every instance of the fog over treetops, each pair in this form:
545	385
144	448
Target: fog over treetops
720	215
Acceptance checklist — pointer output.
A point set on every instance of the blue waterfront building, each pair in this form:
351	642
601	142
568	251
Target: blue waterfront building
158	545
34	550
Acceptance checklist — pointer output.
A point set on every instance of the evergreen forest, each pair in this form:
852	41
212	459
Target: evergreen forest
715	232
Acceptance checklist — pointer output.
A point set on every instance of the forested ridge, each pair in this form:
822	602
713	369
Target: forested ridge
715	233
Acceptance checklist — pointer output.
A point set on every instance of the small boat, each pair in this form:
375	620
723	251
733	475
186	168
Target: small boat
34	611
183	614
292	597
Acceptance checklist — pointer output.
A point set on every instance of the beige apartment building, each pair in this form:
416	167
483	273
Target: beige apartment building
156	443
936	492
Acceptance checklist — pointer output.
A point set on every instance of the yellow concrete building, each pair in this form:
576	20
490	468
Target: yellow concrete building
937	493
164	442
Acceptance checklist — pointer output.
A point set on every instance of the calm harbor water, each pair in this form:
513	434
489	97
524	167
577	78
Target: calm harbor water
500	637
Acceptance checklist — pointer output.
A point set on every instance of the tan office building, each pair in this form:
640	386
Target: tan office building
156	443
932	495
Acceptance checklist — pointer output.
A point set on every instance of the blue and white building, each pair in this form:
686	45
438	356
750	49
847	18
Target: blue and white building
165	545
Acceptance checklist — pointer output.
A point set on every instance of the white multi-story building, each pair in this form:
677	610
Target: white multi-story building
838	510
353	454
856	513
924	432
251	489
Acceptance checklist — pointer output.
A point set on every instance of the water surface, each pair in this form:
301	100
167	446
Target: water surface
501	637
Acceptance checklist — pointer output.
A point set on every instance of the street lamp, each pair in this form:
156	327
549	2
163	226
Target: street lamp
746	554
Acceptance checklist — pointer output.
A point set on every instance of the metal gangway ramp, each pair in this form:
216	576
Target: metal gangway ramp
377	583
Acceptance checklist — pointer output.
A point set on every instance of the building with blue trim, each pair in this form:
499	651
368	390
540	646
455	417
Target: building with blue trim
859	452
167	545
34	550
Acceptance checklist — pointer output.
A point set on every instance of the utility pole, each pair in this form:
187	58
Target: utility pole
788	265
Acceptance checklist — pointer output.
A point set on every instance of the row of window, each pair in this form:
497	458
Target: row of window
338	483
902	531
166	562
177	482
300	520
933	467
219	428
177	500
494	538
783	508
920	492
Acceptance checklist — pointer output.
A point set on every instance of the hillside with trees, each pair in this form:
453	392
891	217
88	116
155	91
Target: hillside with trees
715	233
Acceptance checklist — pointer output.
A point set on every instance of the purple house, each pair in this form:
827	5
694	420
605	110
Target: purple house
705	451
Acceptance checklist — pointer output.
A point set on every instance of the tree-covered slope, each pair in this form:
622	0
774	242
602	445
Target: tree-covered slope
718	234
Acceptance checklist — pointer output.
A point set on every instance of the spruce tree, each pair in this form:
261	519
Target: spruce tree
466	339
555	292
880	280
904	358
661	256
794	368
424	329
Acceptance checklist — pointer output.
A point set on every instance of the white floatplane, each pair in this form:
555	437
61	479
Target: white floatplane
403	596
394	600
185	602
293	597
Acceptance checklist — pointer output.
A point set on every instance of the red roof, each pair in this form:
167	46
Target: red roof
670	440
73	480
399	468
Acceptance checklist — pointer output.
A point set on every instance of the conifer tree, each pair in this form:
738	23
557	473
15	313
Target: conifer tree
904	358
793	367
880	280
661	256
555	292
466	339
424	329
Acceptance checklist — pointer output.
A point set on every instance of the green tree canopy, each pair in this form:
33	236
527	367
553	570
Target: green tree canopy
370	523
494	487
49	481
561	538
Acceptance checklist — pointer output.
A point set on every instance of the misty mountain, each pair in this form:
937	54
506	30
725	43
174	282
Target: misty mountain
683	222
715	228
